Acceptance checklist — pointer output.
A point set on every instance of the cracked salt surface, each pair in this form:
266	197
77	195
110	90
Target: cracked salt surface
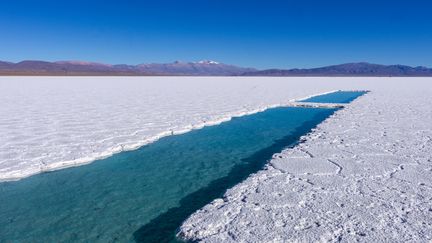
365	174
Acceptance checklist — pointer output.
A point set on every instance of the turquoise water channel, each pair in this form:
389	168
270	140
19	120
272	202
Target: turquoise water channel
342	97
144	195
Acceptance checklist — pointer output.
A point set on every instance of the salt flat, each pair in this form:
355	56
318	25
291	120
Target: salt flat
365	174
47	123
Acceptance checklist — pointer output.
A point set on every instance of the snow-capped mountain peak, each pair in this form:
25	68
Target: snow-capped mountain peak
207	62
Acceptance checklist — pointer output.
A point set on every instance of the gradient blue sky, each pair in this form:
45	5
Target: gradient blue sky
262	34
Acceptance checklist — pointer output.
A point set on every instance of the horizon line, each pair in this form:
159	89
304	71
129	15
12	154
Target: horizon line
83	62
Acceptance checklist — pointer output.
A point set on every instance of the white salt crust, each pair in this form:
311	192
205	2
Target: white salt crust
364	174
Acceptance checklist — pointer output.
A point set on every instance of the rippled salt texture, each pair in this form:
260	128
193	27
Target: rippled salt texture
364	175
54	122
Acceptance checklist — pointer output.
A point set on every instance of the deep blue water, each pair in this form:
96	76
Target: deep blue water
145	194
343	97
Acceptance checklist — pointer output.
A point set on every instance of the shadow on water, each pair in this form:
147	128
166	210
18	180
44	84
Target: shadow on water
163	228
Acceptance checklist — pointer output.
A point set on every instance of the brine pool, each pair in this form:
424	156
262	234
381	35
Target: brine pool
342	97
144	195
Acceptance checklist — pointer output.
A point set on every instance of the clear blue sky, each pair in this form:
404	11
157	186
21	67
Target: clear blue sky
262	34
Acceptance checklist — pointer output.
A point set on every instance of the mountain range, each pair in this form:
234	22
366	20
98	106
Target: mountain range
203	68
362	69
76	68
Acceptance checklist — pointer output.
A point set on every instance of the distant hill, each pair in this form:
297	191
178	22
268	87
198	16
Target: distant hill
71	68
195	68
203	68
349	69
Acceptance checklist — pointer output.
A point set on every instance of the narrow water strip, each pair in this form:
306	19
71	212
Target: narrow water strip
145	194
341	97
